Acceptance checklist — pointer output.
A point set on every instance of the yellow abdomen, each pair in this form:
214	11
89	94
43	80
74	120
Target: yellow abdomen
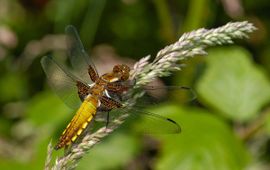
79	122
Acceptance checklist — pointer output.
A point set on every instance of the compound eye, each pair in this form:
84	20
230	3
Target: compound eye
126	68
116	69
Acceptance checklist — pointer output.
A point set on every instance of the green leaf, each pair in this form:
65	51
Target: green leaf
91	21
233	85
113	153
206	142
12	86
35	162
47	109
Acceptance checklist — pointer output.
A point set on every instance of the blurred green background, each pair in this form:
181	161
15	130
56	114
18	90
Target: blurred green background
226	128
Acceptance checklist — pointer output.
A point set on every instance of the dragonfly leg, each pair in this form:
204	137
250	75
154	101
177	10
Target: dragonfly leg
107	104
108	119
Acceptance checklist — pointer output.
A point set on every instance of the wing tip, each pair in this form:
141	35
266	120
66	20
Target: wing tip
178	130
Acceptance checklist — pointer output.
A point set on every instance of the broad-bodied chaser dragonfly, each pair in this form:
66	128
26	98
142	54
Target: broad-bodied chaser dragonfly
90	98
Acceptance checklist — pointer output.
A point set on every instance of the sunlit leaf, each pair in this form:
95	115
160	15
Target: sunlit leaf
206	142
233	85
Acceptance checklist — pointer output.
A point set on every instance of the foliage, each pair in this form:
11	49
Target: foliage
226	127
241	81
189	44
218	147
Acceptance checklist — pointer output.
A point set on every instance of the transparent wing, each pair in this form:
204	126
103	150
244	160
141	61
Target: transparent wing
153	92
181	92
62	82
151	123
78	57
154	123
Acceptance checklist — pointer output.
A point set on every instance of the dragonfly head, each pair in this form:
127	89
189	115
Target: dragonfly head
122	71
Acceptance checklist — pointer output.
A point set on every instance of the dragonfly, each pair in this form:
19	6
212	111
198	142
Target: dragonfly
90	94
